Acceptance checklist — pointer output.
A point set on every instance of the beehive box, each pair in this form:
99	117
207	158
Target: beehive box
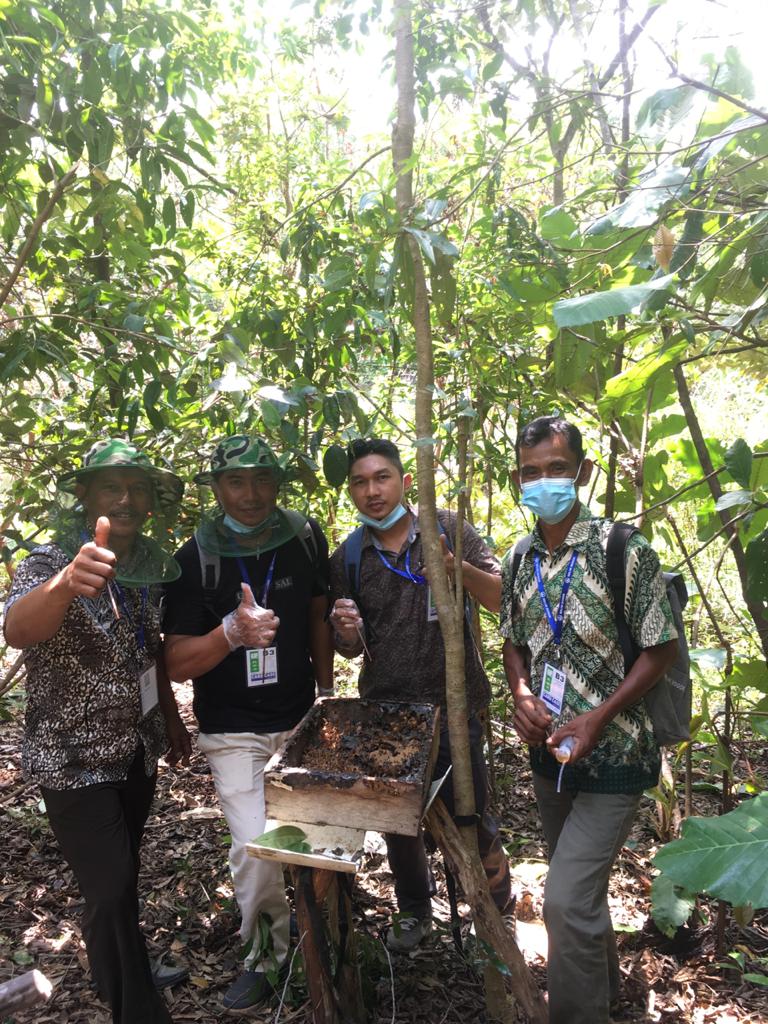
360	763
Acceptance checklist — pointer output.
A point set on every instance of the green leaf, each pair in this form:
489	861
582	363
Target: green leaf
425	242
671	905
733	498
726	857
492	67
335	465
642	206
712	657
622	389
557	225
339	274
738	461
270	415
285	837
586	309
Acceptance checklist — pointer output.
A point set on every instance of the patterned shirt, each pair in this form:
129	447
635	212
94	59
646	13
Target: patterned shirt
83	720
408	656
626	759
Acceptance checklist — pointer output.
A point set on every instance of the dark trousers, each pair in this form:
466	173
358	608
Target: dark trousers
414	884
99	829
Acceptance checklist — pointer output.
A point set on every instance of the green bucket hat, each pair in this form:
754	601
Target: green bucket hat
241	452
115	453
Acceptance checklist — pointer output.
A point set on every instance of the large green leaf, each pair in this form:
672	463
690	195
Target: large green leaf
726	857
641	207
586	309
671	905
622	389
738	461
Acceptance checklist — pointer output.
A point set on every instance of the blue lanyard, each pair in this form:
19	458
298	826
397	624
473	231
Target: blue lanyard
555	624
267	582
127	612
413	577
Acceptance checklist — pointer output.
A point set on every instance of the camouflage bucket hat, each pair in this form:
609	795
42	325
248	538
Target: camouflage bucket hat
241	452
115	453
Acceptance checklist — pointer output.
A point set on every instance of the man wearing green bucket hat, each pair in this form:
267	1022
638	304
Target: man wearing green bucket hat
247	622
100	709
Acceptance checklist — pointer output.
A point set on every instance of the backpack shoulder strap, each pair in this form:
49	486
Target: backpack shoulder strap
210	568
353	551
522	547
616	568
306	534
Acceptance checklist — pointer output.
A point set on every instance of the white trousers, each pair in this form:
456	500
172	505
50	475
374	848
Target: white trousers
237	761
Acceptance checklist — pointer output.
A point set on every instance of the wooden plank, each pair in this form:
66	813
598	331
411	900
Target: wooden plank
358	806
334	848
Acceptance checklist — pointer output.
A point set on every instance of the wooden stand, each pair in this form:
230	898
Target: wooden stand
325	878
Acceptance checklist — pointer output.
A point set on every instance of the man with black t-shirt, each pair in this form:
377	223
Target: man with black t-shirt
247	622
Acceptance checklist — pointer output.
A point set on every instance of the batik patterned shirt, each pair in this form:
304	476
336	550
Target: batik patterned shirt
626	760
83	720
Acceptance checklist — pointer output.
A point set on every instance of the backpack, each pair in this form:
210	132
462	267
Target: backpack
669	702
210	564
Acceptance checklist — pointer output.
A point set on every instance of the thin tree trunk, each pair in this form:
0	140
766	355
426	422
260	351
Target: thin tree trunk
450	606
694	428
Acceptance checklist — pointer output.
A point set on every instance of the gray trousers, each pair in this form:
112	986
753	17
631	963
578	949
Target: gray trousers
584	833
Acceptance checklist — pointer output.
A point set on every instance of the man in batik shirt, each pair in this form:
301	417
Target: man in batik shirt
565	669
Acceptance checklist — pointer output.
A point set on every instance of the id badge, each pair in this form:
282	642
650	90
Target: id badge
431	607
261	666
553	688
148	689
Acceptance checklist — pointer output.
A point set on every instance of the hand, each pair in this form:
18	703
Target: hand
347	621
586	730
94	564
449	560
250	625
180	742
532	717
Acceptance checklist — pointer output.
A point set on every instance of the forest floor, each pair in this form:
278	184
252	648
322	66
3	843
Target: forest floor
188	914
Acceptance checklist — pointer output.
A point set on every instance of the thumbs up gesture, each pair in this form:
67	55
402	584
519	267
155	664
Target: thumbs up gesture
94	564
250	625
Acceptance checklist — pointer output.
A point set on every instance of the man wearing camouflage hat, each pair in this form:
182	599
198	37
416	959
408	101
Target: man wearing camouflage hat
100	710
247	622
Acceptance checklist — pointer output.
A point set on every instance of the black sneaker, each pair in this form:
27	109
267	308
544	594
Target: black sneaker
250	989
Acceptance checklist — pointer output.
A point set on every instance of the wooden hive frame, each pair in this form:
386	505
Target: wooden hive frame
312	796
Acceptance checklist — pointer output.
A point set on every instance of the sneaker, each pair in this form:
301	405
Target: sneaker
250	989
405	933
167	975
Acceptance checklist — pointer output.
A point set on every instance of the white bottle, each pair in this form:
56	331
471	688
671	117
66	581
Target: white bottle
564	751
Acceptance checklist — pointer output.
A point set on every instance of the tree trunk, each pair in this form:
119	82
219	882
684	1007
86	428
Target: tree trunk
450	605
753	607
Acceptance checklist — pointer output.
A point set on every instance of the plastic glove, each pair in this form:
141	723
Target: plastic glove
347	621
250	625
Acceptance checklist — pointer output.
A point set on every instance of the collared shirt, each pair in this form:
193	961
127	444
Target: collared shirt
83	720
408	656
626	760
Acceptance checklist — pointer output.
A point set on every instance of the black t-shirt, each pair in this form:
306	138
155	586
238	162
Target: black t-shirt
223	700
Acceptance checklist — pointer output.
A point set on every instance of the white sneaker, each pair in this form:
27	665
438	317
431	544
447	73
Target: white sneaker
405	933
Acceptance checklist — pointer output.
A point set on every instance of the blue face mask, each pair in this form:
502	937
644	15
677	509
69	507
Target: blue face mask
550	498
394	516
